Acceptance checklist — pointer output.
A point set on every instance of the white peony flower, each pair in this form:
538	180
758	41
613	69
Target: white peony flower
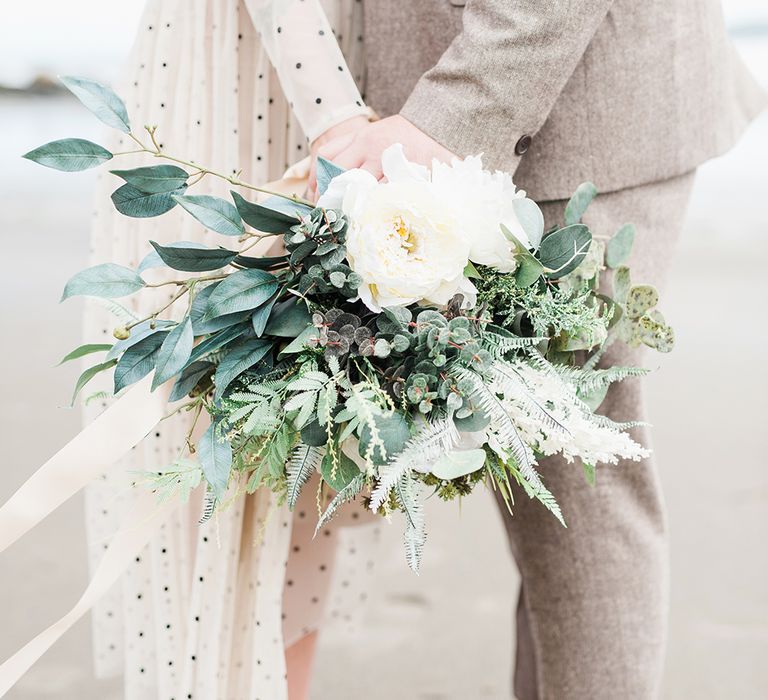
403	240
483	200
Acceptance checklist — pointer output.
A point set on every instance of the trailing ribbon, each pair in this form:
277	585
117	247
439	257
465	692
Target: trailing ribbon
99	445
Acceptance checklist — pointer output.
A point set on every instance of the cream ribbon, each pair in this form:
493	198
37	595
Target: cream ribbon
99	445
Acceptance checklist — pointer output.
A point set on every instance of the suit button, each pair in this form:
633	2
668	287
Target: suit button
523	144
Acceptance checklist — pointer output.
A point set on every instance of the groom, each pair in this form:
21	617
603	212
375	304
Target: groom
632	96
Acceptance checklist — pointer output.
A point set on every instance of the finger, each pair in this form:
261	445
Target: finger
352	157
332	148
373	166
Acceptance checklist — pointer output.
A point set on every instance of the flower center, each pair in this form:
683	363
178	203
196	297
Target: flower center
404	233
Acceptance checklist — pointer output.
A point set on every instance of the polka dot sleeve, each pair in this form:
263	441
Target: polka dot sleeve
313	73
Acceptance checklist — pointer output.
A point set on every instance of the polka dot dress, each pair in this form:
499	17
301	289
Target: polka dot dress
206	610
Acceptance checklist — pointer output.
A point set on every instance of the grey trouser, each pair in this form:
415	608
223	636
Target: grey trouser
591	617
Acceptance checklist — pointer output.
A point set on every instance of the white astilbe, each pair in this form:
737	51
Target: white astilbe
590	438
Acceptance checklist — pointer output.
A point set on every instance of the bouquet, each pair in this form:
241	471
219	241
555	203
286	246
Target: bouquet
415	336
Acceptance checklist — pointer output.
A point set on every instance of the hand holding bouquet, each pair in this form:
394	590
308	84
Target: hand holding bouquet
418	335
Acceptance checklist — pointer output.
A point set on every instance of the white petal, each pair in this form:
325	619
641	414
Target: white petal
397	168
333	197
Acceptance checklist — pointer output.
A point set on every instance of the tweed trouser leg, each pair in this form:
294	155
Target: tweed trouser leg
592	612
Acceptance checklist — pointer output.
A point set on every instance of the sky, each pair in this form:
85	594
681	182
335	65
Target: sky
92	37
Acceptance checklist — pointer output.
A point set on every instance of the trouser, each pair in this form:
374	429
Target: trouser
592	611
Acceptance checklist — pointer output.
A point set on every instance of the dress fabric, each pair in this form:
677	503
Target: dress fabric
206	610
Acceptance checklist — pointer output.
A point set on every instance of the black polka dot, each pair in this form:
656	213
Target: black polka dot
318	100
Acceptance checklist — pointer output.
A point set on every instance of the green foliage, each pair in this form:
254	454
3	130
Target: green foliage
69	155
89	374
303	462
132	202
237	360
100	100
138	360
83	350
105	280
154	179
215	214
263	218
531	219
326	171
215	454
579	202
193	258
174	353
620	246
241	291
563	250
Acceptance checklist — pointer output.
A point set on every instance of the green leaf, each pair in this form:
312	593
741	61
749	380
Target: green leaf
242	291
154	179
152	259
84	350
238	360
189	379
138	361
106	280
130	201
174	353
189	259
263	218
346	470
69	155
621	284
302	341
89	374
589	473
215	455
101	100
314	434
200	326
529	269
288	206
325	172
620	246
530	218
563	250
265	263
215	214
289	319
470	271
458	463
217	341
579	202
139	332
261	316
393	432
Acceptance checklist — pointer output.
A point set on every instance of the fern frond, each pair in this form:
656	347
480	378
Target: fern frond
432	441
540	493
122	314
415	535
347	494
501	422
304	460
513	384
499	345
209	506
587	381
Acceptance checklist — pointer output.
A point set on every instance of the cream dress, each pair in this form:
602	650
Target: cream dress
206	611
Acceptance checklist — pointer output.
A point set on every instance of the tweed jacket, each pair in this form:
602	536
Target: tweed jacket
618	92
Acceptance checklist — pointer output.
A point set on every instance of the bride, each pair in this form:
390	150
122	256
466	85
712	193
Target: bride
229	609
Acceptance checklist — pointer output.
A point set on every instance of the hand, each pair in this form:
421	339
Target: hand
343	133
362	148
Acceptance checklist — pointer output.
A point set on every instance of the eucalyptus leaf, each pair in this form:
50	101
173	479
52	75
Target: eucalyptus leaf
174	353
620	246
530	218
529	269
289	319
338	475
189	379
457	463
265	263
579	202
325	172
263	218
138	360
218	340
215	455
83	350
215	214
154	179
563	250
106	280
201	326
238	360
393	432
69	155
307	338
241	291
89	374
130	201
261	316
101	100
194	259
152	259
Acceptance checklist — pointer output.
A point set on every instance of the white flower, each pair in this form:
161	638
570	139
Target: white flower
483	200
405	242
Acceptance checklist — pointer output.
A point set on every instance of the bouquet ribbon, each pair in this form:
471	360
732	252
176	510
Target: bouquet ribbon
88	455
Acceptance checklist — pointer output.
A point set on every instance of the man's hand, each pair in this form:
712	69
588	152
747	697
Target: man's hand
341	133
362	148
